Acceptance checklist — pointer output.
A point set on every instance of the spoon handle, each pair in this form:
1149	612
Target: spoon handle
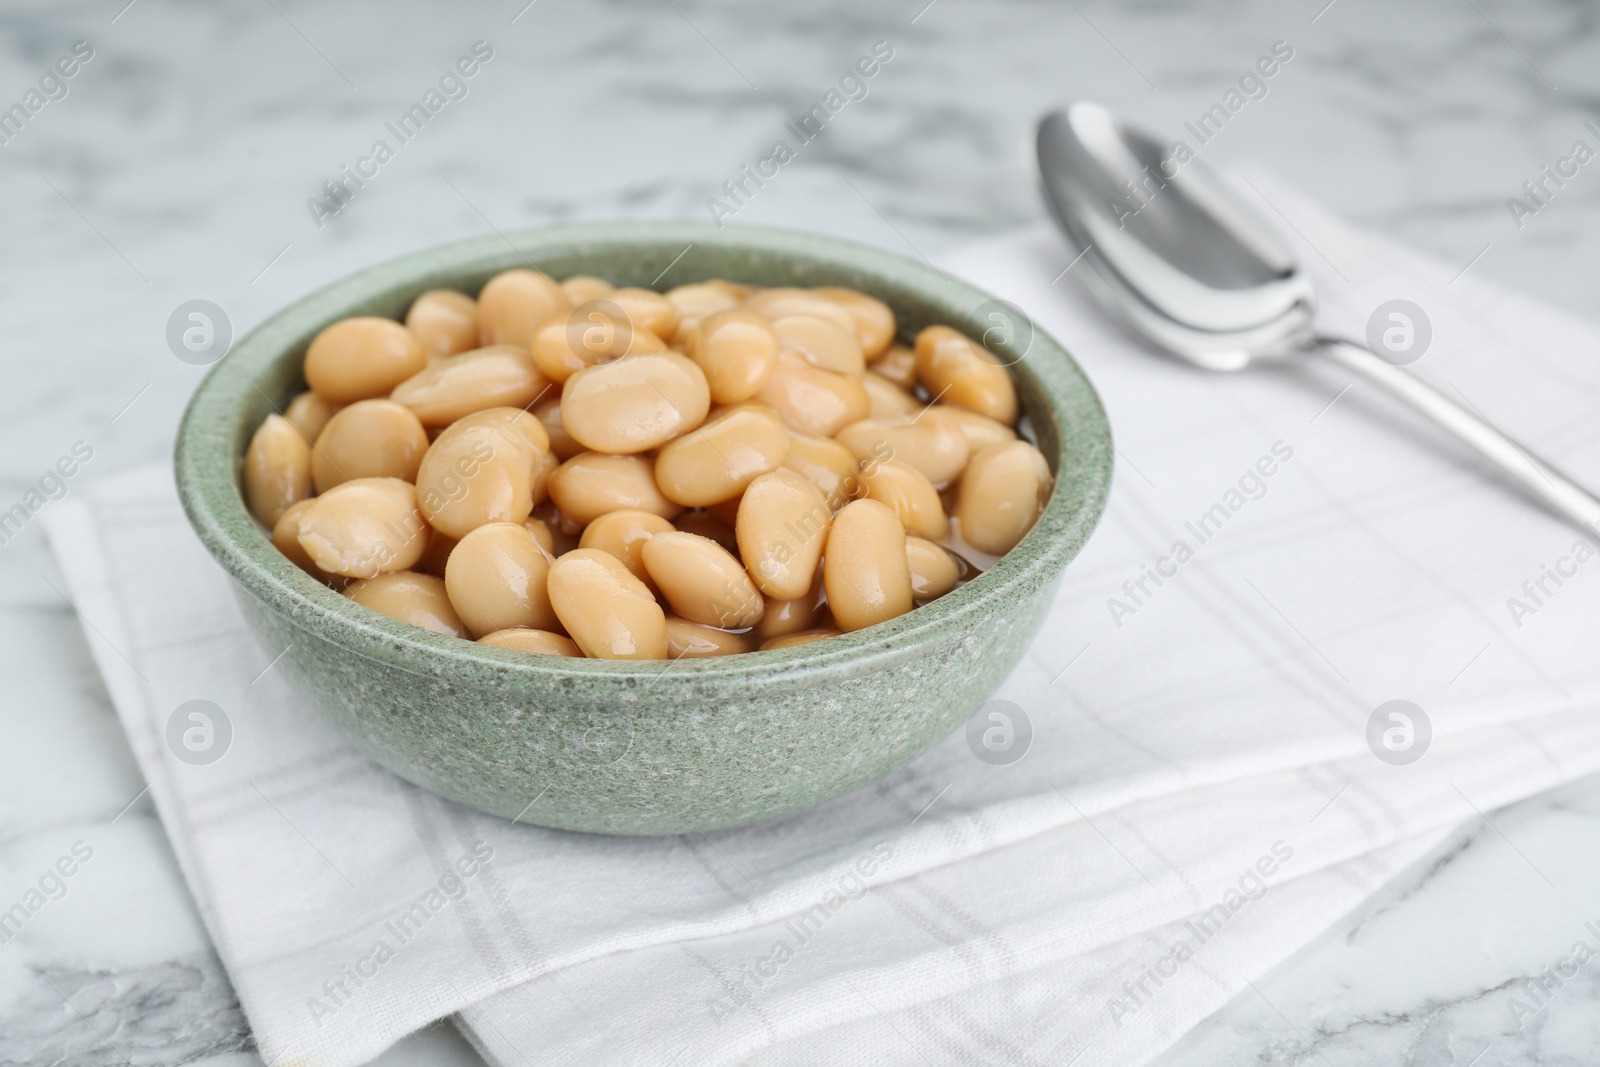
1563	495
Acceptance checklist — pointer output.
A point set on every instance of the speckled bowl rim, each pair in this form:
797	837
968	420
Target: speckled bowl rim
208	475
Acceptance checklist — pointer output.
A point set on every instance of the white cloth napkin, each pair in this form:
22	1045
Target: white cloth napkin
1199	798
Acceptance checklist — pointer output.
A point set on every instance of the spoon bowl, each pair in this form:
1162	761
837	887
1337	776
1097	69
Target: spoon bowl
1171	248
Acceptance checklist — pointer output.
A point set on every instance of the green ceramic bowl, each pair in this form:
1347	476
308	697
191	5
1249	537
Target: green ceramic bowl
643	747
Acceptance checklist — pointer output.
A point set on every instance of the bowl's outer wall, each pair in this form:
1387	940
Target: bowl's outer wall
592	758
640	748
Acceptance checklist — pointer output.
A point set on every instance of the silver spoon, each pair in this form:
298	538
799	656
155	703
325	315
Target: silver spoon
1191	267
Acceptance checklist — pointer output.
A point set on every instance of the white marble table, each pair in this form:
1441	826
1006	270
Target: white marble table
179	164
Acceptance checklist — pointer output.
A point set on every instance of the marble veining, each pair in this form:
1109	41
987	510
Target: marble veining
1458	961
176	1011
179	165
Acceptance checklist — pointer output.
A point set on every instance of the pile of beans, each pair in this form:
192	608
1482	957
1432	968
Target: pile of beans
577	469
